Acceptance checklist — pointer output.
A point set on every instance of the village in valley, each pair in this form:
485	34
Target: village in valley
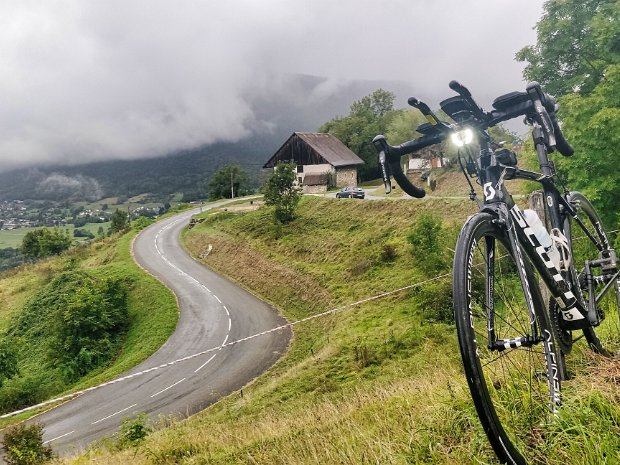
15	214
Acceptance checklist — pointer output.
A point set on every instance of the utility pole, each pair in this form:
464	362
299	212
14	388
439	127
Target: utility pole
232	187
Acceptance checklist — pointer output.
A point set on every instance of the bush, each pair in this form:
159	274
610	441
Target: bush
282	193
141	222
435	301
83	233
23	391
120	221
388	252
24	445
429	245
133	431
78	319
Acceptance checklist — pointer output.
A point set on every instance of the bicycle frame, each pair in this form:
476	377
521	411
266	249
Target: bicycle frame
576	312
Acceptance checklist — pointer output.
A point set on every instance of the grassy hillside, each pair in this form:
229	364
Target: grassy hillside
152	313
378	382
14	237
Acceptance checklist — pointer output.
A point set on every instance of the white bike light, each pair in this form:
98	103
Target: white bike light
461	138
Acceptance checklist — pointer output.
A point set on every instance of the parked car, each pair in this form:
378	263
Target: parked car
351	193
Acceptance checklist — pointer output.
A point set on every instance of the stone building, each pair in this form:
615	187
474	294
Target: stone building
322	161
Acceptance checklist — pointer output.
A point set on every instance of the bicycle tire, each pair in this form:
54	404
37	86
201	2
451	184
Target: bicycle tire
604	339
516	391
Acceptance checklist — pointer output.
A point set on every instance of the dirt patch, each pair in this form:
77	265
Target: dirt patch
255	271
243	208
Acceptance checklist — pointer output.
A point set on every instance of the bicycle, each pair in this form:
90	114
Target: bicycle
513	344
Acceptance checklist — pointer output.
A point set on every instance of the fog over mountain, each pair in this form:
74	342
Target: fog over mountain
85	81
283	112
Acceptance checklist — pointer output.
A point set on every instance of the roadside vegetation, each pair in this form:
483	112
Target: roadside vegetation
377	382
78	319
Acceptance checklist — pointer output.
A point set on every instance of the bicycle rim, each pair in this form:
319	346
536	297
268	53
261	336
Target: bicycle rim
605	338
516	390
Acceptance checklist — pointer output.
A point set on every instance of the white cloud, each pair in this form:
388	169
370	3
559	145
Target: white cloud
88	80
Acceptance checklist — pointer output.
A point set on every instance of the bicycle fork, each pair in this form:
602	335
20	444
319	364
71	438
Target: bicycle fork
524	341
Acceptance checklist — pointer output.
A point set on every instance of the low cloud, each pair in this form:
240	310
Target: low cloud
58	186
121	79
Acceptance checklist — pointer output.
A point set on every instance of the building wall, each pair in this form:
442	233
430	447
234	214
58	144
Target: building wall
418	164
315	189
325	169
346	176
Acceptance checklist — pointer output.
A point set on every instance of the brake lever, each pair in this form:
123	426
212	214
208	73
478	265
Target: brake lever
538	99
386	172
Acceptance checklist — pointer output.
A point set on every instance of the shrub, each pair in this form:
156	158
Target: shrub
23	391
78	318
83	233
388	252
364	354
24	445
141	222
435	301
282	193
360	266
429	245
120	221
133	431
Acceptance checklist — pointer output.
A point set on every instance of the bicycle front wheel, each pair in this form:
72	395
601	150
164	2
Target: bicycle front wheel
509	356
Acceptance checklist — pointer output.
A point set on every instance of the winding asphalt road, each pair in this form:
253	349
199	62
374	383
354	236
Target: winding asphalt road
213	311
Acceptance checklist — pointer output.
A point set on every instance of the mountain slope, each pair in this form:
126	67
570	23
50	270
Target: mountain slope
294	103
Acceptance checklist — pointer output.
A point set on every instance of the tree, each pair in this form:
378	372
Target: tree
120	221
83	233
368	117
45	242
282	193
402	126
592	125
227	182
576	41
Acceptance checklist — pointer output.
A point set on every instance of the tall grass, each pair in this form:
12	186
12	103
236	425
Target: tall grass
375	383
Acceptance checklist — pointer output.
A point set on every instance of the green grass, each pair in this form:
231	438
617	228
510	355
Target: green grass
380	382
348	378
13	238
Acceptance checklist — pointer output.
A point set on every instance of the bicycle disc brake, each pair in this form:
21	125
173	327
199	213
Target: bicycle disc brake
564	338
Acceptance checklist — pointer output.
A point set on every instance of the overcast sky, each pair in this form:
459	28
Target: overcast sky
88	80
